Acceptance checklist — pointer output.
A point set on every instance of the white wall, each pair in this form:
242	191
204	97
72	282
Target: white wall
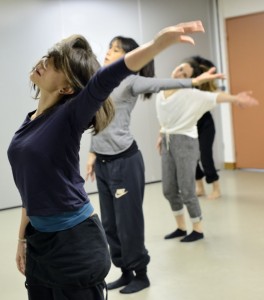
29	27
228	9
236	8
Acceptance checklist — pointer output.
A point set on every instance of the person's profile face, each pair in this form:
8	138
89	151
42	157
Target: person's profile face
114	52
47	76
184	70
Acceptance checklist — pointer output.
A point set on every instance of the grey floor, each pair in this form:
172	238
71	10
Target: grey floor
227	265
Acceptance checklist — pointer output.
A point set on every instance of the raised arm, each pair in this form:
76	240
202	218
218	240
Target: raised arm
107	78
139	57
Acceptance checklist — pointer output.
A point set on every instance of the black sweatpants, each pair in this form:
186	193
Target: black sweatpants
121	184
40	292
206	131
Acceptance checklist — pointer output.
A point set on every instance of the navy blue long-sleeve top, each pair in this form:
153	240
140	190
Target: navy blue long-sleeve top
44	152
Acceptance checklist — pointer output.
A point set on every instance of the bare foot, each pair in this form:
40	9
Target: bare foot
216	191
200	191
214	195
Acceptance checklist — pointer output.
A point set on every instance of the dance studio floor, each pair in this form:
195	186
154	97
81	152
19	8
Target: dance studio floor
227	265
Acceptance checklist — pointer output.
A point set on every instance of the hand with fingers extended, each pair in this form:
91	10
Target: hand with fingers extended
207	76
168	36
178	34
245	99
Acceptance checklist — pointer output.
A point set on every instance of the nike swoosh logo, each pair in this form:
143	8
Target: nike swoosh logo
120	192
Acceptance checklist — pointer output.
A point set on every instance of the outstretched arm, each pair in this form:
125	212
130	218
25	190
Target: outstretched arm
139	57
141	85
243	99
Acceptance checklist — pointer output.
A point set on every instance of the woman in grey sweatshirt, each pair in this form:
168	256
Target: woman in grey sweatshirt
119	167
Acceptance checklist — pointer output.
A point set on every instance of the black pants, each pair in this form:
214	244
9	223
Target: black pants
121	184
206	132
40	292
70	264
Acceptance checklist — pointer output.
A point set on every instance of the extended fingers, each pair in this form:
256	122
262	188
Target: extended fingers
178	33
211	70
194	26
219	76
214	75
186	39
247	100
254	102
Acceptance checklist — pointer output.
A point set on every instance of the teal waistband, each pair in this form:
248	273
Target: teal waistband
61	221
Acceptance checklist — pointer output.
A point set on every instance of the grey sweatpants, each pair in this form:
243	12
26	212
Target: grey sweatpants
180	154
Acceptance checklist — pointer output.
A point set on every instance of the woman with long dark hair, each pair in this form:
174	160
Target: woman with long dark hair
62	248
119	167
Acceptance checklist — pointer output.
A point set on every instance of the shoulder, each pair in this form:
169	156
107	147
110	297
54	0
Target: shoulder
193	92
131	78
128	82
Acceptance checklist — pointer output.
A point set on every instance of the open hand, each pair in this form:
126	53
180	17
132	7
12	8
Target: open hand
168	36
178	33
207	76
244	99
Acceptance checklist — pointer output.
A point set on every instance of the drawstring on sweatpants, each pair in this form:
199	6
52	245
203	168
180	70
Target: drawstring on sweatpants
167	138
106	290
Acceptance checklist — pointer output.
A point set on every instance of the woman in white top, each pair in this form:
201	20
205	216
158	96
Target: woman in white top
178	111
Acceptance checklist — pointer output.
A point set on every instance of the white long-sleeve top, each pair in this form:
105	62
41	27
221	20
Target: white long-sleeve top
179	113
